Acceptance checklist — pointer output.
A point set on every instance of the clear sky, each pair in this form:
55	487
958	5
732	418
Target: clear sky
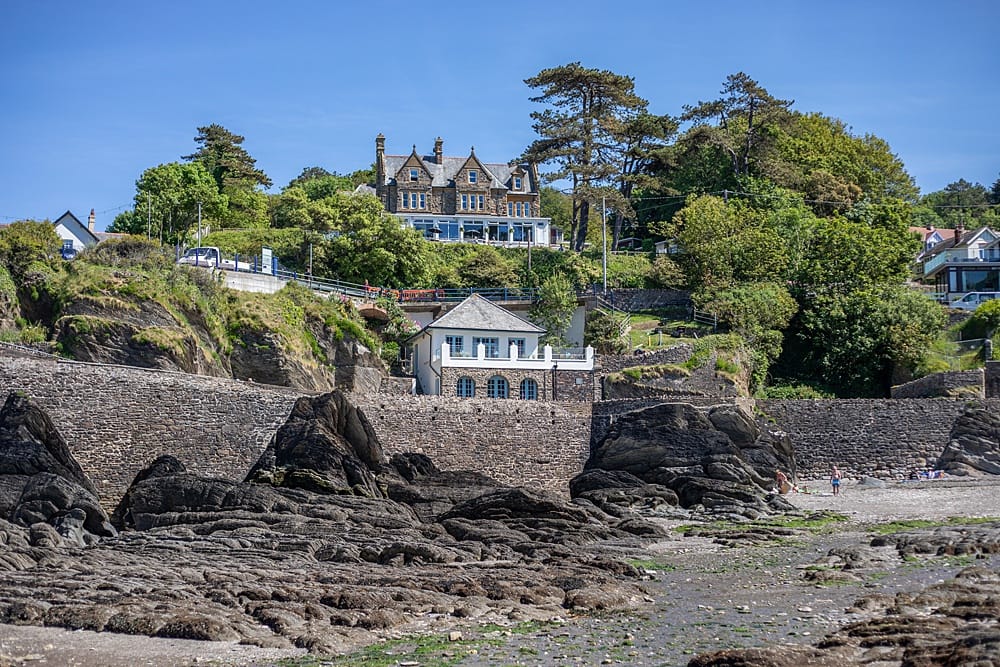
93	93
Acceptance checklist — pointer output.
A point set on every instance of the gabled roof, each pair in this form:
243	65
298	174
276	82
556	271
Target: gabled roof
480	314
443	175
965	241
76	228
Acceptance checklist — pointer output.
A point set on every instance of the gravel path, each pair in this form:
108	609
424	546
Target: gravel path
703	597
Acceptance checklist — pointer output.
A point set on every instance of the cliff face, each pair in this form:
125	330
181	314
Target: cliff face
128	304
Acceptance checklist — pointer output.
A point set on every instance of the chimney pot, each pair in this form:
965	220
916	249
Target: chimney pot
91	220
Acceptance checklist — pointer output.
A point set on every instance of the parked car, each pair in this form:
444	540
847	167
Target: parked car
207	256
973	300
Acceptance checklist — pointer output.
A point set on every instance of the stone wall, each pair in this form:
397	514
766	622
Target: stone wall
633	300
117	419
992	380
881	438
678	354
966	384
541	444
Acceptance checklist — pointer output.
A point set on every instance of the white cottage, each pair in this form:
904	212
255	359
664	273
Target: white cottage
479	349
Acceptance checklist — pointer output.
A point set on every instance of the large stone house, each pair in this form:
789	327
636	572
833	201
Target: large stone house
463	199
479	349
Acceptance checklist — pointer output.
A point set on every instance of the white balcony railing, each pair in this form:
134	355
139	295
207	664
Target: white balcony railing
564	358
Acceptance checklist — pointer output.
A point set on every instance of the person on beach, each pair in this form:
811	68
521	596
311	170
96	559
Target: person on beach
835	481
781	480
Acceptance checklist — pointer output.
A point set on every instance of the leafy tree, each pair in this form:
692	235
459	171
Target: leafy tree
748	118
553	311
960	202
577	131
167	198
367	244
603	333
987	316
557	206
486	268
726	243
665	272
223	155
853	341
640	138
29	248
758	313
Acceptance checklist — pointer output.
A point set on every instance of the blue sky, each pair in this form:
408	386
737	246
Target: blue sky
93	93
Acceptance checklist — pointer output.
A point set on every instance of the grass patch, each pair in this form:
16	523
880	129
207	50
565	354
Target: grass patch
651	565
430	651
911	524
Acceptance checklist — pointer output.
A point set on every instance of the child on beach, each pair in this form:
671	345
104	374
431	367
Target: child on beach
835	481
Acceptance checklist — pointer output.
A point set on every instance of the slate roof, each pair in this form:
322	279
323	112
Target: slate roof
480	314
949	243
443	175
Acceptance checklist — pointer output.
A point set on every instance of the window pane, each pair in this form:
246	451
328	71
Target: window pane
481	197
414	175
497	387
423	201
466	387
473	176
529	390
510	209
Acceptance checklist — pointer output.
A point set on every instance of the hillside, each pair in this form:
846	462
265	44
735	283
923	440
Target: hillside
126	302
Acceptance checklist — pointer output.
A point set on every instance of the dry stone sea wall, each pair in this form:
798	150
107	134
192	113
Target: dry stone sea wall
532	443
117	419
881	438
966	384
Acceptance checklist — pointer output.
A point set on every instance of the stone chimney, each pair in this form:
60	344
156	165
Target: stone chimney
379	164
439	150
959	232
91	220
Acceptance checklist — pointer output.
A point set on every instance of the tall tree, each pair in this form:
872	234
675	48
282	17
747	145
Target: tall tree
577	131
747	116
553	311
166	202
641	137
223	155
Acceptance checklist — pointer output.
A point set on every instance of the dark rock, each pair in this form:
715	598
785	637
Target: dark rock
327	445
720	462
973	447
40	481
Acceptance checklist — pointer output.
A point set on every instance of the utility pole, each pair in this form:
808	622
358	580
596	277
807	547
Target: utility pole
149	217
199	224
604	242
310	263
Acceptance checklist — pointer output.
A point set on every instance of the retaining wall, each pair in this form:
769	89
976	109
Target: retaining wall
881	438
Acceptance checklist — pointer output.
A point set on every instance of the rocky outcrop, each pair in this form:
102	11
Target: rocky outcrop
974	445
325	543
673	453
40	481
951	622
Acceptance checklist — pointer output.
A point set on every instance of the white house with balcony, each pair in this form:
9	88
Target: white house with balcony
969	262
481	350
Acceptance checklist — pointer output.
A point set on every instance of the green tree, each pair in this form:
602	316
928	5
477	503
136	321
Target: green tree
758	313
577	131
553	311
960	202
557	206
223	155
748	119
167	198
987	316
367	244
726	243
854	341
486	268
28	249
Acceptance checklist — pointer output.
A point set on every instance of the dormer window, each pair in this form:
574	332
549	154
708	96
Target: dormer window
473	176
517	182
414	175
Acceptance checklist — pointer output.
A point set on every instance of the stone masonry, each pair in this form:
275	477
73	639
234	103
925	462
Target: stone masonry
117	419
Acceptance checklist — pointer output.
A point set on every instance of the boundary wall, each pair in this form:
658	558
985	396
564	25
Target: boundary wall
118	419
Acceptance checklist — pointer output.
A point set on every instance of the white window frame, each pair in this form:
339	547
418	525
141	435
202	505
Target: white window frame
414	175
518	183
473	176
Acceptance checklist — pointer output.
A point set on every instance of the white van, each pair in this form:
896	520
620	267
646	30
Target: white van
973	300
207	256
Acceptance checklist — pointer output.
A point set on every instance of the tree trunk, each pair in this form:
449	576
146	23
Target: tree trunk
581	229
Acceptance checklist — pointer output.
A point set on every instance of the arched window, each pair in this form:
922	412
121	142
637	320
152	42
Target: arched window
529	390
466	387
497	387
